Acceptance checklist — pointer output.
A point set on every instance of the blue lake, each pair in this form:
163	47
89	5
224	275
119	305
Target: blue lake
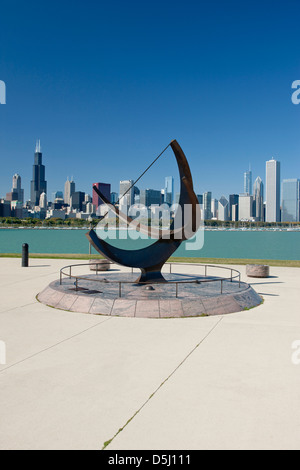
217	244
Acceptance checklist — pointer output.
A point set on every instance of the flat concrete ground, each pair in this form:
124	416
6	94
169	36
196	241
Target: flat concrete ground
72	381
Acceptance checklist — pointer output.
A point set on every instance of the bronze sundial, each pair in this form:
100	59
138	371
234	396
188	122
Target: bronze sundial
151	259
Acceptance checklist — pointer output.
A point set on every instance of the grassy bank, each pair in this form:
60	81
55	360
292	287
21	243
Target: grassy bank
284	263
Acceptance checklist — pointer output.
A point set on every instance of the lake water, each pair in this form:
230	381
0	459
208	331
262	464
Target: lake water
217	244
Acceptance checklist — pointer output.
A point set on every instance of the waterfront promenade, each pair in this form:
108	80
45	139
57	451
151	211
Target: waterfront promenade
72	381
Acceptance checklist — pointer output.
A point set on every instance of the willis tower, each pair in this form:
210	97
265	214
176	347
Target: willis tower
38	183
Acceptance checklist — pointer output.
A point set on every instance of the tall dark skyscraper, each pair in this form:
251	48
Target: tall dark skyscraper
105	189
38	183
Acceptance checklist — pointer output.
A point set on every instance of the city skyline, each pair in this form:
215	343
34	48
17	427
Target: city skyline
98	97
280	203
240	184
168	182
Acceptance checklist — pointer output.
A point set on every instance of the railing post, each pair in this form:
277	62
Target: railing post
231	274
239	280
76	285
170	268
176	290
60	278
120	289
221	286
205	271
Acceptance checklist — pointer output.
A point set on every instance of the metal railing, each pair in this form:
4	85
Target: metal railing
234	275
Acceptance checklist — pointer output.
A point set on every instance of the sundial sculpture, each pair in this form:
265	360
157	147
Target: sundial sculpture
151	259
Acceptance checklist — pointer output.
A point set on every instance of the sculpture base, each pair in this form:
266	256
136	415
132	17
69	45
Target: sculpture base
172	299
149	277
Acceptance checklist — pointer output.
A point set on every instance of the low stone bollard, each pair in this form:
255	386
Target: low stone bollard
99	265
258	270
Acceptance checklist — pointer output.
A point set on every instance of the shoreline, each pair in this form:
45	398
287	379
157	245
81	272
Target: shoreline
206	229
230	261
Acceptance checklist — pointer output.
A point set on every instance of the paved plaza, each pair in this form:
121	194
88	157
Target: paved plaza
73	380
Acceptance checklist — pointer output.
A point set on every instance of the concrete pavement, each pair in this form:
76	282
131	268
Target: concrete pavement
72	381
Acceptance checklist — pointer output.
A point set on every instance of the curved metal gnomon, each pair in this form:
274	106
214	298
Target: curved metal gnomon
151	259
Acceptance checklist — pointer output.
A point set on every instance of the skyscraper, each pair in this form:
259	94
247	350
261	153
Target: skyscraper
114	197
105	189
199	197
43	201
248	182
223	209
126	186
273	191
245	207
150	197
38	183
207	205
70	189
214	208
169	190
258	192
17	193
234	203
17	187
77	200
290	200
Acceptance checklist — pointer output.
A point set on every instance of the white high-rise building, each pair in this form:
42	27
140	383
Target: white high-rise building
245	207
214	208
273	191
90	208
43	201
223	209
69	191
126	193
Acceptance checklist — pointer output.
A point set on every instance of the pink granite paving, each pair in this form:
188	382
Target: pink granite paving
193	308
67	302
170	308
159	303
220	305
82	304
124	308
50	297
102	307
147	309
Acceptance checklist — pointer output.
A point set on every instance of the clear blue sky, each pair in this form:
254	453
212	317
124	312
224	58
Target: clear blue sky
107	85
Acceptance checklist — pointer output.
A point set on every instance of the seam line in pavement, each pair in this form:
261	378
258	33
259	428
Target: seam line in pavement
54	345
15	308
107	443
28	279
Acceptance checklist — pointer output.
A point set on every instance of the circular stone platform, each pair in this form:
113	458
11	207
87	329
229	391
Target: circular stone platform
156	301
